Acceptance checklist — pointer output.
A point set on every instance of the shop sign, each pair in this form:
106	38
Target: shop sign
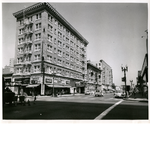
55	80
48	80
35	80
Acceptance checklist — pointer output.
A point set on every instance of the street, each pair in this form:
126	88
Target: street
78	107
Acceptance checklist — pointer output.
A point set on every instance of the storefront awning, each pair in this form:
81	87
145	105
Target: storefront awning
59	86
32	85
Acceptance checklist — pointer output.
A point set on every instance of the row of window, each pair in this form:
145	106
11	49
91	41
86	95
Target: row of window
37	17
50	27
48	69
62	28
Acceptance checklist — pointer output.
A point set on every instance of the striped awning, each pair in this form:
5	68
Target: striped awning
32	85
59	86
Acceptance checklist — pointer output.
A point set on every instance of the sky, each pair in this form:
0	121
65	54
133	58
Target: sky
113	31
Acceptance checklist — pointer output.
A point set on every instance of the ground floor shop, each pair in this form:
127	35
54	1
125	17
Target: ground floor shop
36	85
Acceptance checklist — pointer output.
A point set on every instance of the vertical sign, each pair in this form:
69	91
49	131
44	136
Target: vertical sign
42	89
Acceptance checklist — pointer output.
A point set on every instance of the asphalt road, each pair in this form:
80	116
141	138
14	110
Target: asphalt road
83	107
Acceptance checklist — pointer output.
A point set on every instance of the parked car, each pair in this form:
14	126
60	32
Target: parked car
98	93
87	92
119	94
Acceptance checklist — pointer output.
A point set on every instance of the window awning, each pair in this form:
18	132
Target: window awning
32	85
59	86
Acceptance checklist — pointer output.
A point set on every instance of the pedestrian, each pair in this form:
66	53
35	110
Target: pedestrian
34	99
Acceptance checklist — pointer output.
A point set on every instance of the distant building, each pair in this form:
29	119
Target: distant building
11	62
107	75
93	77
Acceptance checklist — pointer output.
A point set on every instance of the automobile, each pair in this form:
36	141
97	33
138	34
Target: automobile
87	92
98	93
119	94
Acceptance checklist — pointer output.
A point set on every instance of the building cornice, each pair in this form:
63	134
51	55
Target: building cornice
53	11
94	66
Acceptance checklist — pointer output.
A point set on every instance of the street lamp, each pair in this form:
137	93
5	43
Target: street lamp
131	82
124	69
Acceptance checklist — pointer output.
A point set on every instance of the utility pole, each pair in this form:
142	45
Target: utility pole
124	69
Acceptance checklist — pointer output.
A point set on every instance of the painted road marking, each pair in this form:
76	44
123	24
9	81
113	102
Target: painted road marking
104	113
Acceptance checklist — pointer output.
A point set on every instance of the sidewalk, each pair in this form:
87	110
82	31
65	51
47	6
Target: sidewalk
137	97
65	95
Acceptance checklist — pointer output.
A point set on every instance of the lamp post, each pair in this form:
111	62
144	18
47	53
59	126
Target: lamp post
131	82
124	69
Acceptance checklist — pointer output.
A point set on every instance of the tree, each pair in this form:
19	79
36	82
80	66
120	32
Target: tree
113	86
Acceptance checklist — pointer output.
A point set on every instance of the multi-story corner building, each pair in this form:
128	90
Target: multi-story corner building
107	75
93	77
50	53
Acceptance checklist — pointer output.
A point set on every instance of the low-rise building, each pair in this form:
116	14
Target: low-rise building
93	77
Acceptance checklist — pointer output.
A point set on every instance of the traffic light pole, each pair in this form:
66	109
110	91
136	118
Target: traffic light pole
124	69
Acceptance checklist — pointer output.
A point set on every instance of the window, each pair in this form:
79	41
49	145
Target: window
71	58
50	18
59	71
67	40
67	56
27	70
64	37
21	31
37	68
55	31
19	60
59	62
49	48
72	66
38	16
67	48
59	53
48	69
59	26
67	64
38	26
18	70
59	35
29	48
55	41
67	32
60	44
28	58
50	27
20	50
37	57
55	22
21	22
38	36
50	38
71	51
20	41
55	60
67	73
30	18
37	47
49	58
29	39
55	51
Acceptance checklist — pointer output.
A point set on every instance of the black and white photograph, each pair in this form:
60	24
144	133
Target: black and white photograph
75	75
75	61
